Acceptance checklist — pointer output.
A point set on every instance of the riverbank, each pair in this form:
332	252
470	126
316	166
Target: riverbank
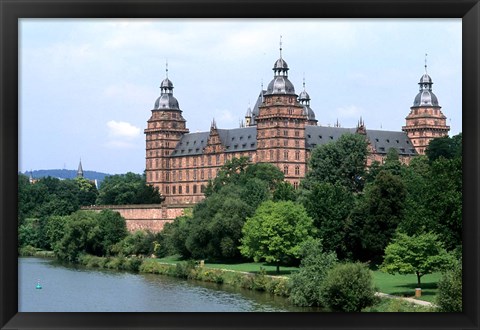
256	280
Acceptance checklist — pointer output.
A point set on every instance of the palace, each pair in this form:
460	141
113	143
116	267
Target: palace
281	129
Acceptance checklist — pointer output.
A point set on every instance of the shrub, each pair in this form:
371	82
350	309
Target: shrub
184	268
278	287
449	297
348	288
27	251
305	285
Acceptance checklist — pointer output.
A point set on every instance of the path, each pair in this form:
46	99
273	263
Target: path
412	300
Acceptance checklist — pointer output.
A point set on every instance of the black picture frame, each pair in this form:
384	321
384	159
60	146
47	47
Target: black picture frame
12	10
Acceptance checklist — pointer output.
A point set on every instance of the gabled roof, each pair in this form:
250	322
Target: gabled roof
234	140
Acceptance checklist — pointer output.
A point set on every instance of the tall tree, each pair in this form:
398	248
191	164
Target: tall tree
341	162
376	217
329	206
276	232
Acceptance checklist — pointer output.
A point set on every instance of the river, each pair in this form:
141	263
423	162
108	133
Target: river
78	289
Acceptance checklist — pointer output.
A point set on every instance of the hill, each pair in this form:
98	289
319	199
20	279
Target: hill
67	174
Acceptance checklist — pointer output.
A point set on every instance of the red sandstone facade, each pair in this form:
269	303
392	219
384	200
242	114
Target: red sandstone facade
281	130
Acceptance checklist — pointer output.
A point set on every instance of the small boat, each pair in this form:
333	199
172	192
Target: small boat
39	286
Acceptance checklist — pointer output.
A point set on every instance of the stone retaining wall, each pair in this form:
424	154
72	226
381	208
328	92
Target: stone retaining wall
150	217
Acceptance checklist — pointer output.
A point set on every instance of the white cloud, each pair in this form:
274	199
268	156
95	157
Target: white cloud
122	130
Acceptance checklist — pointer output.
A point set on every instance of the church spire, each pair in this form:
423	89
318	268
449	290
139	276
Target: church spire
80	170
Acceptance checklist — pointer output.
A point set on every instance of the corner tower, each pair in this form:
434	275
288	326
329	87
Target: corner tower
164	130
426	120
281	124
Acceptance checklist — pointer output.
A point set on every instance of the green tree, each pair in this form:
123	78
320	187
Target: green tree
176	234
113	228
129	188
449	297
341	162
30	233
305	285
55	229
284	192
444	200
376	217
140	242
88	192
418	254
82	235
276	231
216	226
445	146
348	288
329	206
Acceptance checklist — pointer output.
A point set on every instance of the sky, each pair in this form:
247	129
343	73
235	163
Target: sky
87	86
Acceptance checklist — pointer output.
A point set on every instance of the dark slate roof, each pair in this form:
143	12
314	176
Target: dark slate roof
256	110
381	141
245	139
235	140
319	135
239	139
191	144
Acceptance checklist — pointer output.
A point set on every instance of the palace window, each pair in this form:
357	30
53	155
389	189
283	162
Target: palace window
297	170
194	161
195	175
297	155
285	170
167	190
194	188
209	173
202	175
297	133
285	132
202	189
217	160
285	143
295	185
209	160
271	154
174	190
179	175
285	155
187	189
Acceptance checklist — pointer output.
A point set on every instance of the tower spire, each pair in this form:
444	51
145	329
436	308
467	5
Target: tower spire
166	67
280	46
80	169
426	62
304	81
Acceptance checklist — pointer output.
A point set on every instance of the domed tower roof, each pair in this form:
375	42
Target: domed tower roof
425	97
166	100
304	99
280	83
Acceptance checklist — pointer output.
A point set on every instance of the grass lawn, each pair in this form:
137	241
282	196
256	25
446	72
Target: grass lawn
398	285
254	267
404	285
250	267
